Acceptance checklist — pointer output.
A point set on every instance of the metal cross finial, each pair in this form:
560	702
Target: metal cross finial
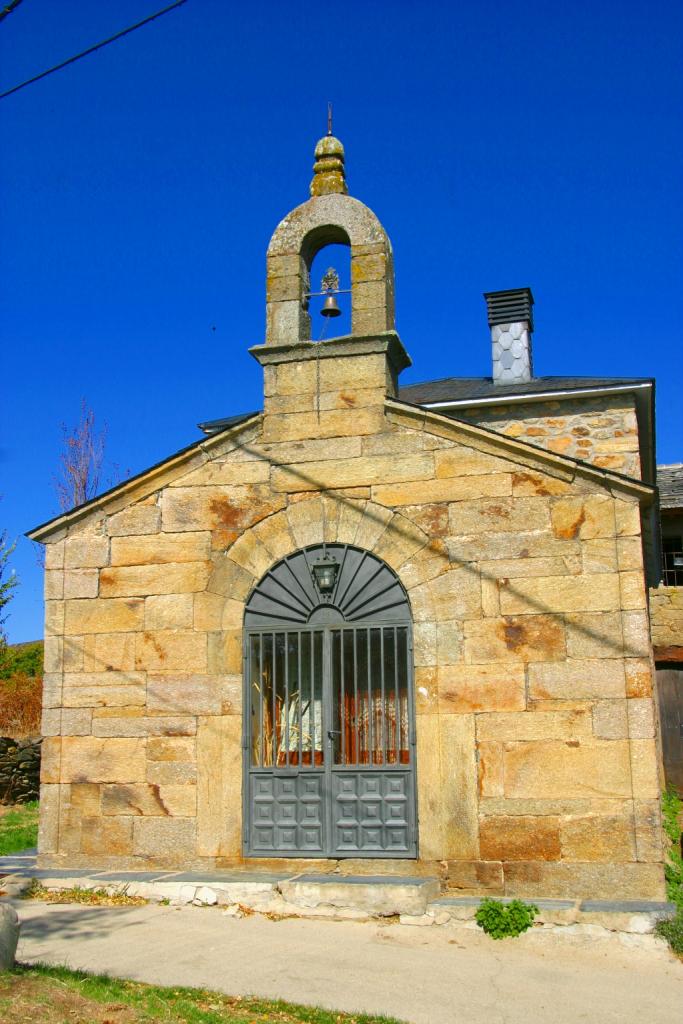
329	118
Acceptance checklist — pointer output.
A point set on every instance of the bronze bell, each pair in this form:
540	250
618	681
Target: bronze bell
330	307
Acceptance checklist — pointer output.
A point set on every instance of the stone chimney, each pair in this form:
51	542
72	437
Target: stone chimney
511	322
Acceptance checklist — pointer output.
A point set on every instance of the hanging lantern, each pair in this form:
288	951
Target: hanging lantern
324	572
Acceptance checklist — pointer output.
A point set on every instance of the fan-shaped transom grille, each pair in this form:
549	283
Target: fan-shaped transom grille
365	588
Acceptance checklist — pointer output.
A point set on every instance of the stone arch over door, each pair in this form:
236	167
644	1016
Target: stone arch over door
329	720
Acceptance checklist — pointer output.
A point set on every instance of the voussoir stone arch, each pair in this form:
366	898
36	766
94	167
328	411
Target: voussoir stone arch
325	220
329	518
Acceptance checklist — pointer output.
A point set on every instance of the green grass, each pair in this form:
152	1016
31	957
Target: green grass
25	659
19	828
53	995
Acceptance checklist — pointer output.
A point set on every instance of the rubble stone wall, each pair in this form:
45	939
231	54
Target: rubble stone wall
603	431
536	761
666	616
19	770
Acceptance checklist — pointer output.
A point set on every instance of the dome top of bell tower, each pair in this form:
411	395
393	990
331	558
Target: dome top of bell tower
328	170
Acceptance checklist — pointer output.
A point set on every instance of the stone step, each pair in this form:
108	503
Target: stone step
375	895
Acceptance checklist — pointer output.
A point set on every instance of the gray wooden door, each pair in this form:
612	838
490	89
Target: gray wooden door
329	726
670	693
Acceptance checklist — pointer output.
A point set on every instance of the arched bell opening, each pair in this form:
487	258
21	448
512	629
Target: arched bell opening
329	297
329	726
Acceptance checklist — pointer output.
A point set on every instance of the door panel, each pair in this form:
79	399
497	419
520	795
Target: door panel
372	813
287	813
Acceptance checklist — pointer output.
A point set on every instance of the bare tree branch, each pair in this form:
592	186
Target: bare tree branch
81	461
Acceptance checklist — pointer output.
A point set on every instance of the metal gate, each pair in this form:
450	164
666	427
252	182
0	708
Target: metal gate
329	730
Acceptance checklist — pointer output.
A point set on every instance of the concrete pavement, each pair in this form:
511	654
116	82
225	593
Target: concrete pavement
430	975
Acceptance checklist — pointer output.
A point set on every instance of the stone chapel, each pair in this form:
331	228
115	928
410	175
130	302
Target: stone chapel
367	629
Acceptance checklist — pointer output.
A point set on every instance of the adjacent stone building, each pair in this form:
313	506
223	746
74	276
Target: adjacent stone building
666	616
373	628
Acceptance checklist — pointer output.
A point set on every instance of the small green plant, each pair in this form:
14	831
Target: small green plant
502	921
672	930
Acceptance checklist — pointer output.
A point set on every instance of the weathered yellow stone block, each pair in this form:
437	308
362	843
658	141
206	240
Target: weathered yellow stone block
482	516
116	615
609	720
219	790
143	580
429	802
534	725
229	579
133	521
638	677
585	517
54	585
171	748
519	838
567	769
50	756
171	839
225	652
447	489
54	554
160	548
644	769
107	837
641	719
85	551
560	594
627	516
632	588
461	461
636	628
107	652
466	688
597	635
352	472
143	799
89	759
515	638
566	880
599	555
527	483
184	694
226	511
172	611
251	554
577	680
80	583
630	553
86	798
168	651
458	786
597	838
490	759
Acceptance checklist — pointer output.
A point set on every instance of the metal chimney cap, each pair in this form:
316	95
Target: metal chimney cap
510	306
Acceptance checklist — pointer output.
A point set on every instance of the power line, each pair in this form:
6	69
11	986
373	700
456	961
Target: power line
8	8
91	49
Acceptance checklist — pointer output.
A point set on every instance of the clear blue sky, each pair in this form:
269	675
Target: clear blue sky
500	144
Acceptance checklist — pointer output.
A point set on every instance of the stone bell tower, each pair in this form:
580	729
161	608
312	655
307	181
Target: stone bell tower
335	387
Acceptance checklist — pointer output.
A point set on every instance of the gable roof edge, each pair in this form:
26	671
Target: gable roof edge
164	470
564	466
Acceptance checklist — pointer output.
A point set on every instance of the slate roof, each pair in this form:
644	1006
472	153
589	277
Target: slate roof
463	389
214	426
670	483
